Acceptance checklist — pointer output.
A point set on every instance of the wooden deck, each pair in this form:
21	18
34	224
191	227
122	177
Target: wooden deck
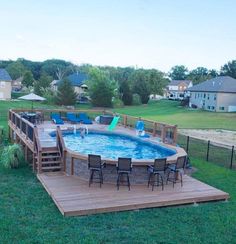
73	196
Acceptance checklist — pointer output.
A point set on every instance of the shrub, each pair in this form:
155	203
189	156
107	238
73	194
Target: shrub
12	156
117	103
136	99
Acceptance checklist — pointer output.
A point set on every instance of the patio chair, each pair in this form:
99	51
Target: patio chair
124	167
72	118
84	118
157	173
95	164
176	169
38	118
56	118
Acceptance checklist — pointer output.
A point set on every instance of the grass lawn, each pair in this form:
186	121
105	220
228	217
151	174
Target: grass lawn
28	215
171	112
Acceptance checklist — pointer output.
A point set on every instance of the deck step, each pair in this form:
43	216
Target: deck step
49	156
51	167
50	162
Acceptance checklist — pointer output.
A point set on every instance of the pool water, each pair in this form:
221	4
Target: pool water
113	146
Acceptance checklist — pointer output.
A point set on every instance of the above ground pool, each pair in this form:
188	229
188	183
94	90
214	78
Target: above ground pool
112	146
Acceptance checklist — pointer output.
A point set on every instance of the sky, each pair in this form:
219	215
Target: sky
139	33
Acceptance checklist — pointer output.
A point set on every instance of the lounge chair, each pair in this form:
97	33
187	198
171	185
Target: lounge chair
124	167
56	118
157	172
84	118
72	118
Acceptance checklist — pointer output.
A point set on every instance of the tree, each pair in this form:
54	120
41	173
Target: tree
125	93
65	93
178	72
229	69
140	85
198	75
201	74
16	69
28	79
57	68
156	81
42	84
101	88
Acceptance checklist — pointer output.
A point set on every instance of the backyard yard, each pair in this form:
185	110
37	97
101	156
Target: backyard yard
28	215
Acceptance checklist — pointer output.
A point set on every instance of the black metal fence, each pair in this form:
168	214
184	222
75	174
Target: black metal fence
220	154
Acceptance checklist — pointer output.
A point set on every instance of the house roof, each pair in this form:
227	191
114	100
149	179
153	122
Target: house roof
4	76
218	84
76	79
177	82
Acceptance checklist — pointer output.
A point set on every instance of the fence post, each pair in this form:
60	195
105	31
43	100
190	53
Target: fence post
232	157
187	146
208	148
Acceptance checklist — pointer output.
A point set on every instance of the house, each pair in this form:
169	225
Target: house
217	94
5	85
77	80
177	89
17	84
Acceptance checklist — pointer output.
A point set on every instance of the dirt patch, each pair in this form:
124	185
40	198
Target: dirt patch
219	137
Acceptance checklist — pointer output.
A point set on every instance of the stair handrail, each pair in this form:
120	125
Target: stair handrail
61	146
38	150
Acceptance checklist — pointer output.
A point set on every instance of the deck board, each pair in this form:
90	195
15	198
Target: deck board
73	196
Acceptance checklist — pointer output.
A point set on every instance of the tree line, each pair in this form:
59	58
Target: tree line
108	85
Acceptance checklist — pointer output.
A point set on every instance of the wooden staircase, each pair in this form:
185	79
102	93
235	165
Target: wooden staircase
50	159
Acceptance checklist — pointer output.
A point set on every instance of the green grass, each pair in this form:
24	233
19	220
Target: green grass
28	215
171	112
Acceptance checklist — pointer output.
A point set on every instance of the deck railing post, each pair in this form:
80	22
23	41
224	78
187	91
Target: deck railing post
40	162
72	166
163	133
64	160
175	134
208	149
154	129
125	121
232	157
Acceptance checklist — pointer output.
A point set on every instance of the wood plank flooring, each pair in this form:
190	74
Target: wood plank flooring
74	197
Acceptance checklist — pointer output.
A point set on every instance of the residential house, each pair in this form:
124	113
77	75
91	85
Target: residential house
5	85
217	94
17	84
77	80
177	89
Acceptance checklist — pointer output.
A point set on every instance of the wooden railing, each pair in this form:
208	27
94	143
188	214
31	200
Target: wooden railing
61	146
166	132
24	127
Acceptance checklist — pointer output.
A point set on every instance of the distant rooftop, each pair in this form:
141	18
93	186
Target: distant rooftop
218	84
76	79
4	76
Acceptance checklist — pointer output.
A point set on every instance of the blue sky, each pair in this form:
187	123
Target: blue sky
144	33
